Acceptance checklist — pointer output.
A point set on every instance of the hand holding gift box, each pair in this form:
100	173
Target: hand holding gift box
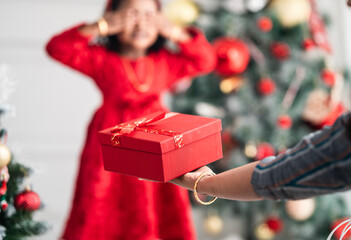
161	146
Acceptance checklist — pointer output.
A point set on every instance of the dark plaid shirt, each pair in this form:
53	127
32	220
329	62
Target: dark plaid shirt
319	164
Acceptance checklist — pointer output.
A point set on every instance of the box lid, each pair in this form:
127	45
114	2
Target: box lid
191	127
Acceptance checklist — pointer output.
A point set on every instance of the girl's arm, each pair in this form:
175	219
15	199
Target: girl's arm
169	30
90	30
113	22
74	49
195	56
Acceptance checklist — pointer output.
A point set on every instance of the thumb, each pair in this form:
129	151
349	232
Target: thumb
204	169
144	179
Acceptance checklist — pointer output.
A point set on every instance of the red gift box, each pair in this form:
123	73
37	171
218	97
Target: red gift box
161	146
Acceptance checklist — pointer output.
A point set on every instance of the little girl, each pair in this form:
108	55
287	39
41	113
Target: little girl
131	69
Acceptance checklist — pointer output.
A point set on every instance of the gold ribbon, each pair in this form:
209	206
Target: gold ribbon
142	126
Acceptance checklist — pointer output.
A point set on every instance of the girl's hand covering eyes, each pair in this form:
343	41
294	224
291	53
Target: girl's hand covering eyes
118	21
163	25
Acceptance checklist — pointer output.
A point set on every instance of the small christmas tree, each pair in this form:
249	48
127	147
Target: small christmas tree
274	83
17	204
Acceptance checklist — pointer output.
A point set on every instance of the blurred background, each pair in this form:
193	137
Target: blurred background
52	105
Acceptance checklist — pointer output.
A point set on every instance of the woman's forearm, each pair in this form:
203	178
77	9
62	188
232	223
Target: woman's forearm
234	184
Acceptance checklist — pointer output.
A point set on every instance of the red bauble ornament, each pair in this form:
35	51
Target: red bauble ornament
27	200
264	150
4	204
308	44
3	188
233	56
226	137
228	143
275	224
265	24
266	86
284	121
339	231
328	77
280	50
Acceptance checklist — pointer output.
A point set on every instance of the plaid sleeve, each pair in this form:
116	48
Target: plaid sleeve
319	164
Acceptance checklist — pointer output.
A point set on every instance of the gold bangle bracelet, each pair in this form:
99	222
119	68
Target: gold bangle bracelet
195	191
103	27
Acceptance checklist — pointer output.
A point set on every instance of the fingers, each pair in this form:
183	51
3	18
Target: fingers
163	25
185	181
204	169
118	21
126	19
144	179
129	20
188	180
163	21
107	14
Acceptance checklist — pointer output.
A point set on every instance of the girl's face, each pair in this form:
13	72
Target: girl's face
143	33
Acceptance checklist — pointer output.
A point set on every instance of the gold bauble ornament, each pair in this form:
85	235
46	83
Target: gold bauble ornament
292	12
213	224
231	84
5	155
263	232
250	150
182	12
300	210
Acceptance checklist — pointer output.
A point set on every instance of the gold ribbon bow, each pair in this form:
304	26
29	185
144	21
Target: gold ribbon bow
141	125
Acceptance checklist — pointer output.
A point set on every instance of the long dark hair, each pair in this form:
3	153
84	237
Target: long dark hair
113	43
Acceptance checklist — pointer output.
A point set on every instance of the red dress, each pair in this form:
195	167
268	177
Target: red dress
108	205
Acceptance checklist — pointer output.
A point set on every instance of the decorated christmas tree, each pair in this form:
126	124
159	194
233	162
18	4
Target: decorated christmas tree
274	83
18	202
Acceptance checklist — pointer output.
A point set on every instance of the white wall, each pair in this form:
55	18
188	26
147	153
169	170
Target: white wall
339	34
54	105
